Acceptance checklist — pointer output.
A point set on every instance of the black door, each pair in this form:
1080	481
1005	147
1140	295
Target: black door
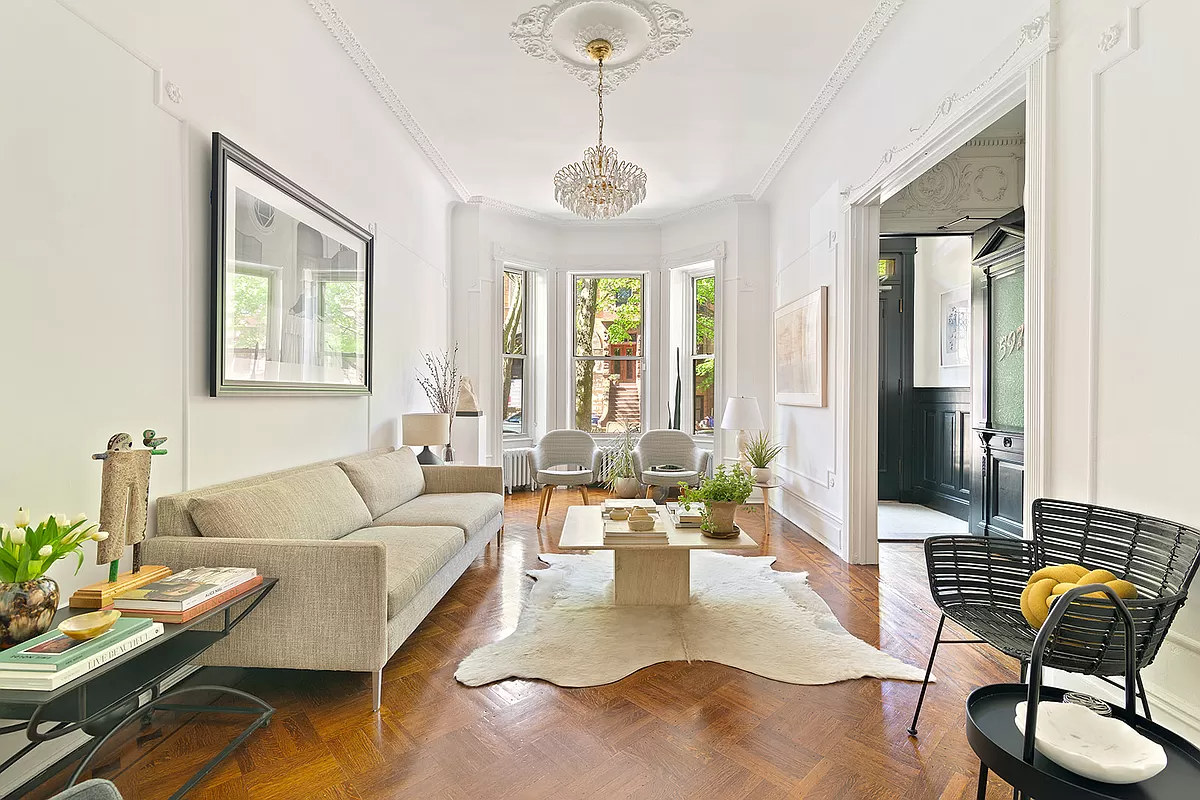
895	365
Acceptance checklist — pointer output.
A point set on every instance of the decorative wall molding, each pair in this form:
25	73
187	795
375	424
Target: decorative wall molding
536	33
633	222
862	43
712	205
813	518
345	37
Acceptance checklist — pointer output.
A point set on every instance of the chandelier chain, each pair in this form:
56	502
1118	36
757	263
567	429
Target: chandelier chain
600	92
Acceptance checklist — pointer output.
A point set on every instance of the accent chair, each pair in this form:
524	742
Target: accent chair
564	458
668	448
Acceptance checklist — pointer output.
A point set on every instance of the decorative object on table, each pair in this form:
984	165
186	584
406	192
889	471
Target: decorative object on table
1087	701
619	514
89	626
426	430
125	498
663	447
1049	583
292	285
742	415
55	658
760	453
28	597
640	520
801	345
442	388
570	633
956	327
602	186
621	477
718	498
102	593
564	458
1100	748
468	404
977	582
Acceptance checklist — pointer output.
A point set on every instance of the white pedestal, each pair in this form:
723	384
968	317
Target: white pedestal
469	439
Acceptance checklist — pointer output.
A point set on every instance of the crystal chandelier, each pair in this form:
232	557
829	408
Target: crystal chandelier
601	186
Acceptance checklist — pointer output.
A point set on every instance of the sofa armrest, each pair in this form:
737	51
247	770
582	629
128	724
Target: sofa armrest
328	611
446	479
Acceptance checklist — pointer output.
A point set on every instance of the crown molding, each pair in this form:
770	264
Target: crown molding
345	37
862	43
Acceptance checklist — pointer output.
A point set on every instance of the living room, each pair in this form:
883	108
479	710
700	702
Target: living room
720	295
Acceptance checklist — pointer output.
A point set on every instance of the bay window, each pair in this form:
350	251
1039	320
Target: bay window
608	352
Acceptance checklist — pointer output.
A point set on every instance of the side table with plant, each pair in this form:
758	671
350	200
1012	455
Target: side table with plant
28	598
621	477
761	452
719	498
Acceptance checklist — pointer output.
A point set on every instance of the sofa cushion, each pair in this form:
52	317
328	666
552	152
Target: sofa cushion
469	512
386	481
315	504
414	555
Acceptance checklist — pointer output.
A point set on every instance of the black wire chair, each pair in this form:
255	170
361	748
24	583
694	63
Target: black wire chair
977	582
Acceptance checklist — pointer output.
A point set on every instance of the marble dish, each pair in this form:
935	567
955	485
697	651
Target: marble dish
89	626
1103	749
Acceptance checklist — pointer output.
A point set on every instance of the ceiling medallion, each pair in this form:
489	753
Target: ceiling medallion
638	32
601	186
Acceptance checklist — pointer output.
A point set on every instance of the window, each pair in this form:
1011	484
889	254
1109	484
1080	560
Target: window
608	355
516	346
703	339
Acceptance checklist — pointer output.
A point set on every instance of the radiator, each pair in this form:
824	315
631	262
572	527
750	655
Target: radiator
517	474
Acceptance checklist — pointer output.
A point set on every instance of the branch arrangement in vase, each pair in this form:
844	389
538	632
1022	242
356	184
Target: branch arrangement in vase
441	386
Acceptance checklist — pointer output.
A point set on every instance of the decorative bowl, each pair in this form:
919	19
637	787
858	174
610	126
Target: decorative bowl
619	514
642	523
1104	749
89	626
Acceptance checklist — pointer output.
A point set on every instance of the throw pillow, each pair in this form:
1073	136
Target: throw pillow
387	481
1048	583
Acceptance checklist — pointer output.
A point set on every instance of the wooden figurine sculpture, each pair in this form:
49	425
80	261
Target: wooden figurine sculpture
125	497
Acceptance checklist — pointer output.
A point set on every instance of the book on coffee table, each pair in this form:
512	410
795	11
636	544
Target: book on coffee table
48	661
684	516
185	590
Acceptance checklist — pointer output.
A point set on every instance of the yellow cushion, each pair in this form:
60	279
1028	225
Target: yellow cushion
1048	583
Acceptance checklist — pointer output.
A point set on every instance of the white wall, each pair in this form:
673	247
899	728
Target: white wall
942	264
104	214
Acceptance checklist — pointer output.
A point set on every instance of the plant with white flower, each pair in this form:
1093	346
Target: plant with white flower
27	551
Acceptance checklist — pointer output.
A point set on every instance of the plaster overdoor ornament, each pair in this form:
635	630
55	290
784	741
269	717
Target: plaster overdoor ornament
638	32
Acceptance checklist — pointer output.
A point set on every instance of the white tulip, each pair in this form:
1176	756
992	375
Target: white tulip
62	520
17	535
45	551
22	518
78	518
100	536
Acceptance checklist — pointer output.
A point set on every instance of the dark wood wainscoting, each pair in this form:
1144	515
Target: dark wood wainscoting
942	449
1003	482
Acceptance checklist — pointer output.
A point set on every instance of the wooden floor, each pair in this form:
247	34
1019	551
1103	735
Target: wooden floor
697	730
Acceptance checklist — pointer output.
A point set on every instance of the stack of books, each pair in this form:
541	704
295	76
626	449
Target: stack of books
618	532
684	516
53	659
185	595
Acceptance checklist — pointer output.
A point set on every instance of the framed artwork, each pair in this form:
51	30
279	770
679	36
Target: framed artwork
956	327
801	343
292	288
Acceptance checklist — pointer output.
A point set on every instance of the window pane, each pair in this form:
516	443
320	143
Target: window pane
705	291
514	395
251	314
703	394
608	395
344	318
887	268
608	312
514	312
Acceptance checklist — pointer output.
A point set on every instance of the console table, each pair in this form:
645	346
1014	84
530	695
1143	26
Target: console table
104	700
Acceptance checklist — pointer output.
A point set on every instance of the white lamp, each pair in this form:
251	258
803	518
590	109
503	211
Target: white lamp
422	430
742	415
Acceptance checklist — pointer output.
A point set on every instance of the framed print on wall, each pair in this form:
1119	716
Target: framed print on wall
292	288
956	327
801	342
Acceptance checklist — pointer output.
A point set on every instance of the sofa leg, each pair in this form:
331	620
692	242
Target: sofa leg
500	536
376	689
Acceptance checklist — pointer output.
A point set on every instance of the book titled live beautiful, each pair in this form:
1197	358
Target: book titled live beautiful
53	659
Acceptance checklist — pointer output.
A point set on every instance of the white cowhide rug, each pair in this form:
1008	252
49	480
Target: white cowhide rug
743	613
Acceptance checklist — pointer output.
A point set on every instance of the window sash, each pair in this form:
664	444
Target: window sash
523	357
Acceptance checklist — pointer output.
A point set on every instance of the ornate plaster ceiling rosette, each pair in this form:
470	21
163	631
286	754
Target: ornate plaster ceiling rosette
639	32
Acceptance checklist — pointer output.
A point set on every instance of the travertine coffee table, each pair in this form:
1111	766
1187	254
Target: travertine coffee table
646	574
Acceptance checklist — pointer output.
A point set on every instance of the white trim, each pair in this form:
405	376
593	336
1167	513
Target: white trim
813	518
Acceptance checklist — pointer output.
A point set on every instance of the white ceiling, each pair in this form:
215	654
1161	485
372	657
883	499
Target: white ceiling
706	122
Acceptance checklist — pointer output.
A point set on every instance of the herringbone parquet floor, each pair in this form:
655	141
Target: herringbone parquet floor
671	731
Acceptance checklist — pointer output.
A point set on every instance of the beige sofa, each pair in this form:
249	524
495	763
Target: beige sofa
363	548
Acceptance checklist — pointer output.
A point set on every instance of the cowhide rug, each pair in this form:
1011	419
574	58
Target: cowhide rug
743	613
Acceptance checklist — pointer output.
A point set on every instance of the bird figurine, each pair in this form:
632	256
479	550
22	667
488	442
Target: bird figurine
153	442
116	443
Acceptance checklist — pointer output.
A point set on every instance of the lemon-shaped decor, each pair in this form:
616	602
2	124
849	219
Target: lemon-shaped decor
1048	583
89	626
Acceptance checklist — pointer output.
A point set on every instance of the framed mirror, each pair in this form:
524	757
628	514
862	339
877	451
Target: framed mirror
292	288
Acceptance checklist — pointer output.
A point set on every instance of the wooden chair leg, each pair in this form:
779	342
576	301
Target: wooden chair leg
649	492
583	491
549	498
543	506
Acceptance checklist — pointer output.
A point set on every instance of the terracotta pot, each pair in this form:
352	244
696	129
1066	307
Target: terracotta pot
26	609
761	474
628	488
721	516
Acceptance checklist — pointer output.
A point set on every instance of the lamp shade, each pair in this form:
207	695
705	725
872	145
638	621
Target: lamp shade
742	414
426	429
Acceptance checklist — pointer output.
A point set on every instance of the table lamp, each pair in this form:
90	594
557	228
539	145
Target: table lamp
423	430
742	415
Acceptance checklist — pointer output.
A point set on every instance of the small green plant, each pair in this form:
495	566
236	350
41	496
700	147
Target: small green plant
727	485
619	456
27	551
761	451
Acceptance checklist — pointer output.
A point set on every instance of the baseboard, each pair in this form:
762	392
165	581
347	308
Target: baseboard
817	521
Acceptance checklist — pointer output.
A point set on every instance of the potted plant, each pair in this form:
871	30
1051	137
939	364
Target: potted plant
28	598
760	452
718	498
621	477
